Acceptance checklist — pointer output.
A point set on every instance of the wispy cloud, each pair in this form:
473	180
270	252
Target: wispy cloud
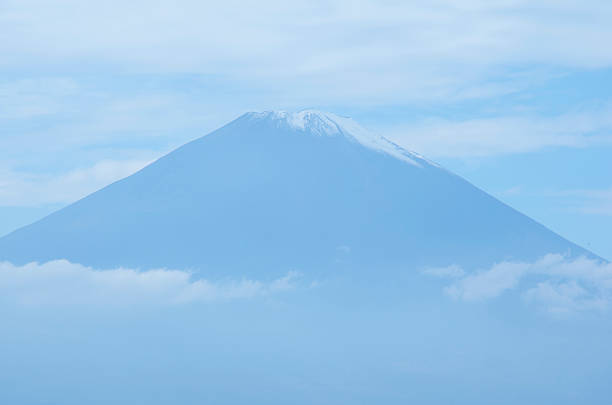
556	283
54	130
27	189
452	271
28	98
60	282
390	47
587	201
566	297
505	135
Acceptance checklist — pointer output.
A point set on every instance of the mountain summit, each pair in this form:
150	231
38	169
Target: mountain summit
327	124
275	191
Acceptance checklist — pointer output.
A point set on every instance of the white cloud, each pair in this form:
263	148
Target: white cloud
452	271
504	135
516	190
558	284
564	298
598	202
389	48
25	189
66	127
240	55
60	282
28	98
487	284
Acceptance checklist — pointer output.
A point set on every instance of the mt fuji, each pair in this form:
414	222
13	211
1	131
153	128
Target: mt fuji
274	191
296	258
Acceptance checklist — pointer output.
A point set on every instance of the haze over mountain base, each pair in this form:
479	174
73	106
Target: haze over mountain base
326	344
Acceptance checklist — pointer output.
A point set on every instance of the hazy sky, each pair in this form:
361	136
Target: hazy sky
515	97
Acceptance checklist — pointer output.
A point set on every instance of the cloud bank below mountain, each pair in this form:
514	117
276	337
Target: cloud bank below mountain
555	283
61	283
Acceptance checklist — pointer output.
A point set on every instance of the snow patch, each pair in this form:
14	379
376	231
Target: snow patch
327	124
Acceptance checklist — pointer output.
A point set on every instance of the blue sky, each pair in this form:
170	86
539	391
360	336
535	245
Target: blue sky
515	97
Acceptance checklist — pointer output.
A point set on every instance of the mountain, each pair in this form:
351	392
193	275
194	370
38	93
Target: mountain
275	191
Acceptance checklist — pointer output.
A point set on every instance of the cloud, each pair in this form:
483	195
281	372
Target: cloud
516	190
505	135
487	284
419	49
554	282
55	129
564	298
60	283
35	97
452	271
159	75
597	202
26	189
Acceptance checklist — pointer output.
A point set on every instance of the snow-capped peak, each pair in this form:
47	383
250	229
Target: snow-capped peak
328	124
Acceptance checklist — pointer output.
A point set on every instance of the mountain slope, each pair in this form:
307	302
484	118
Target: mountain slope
275	191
